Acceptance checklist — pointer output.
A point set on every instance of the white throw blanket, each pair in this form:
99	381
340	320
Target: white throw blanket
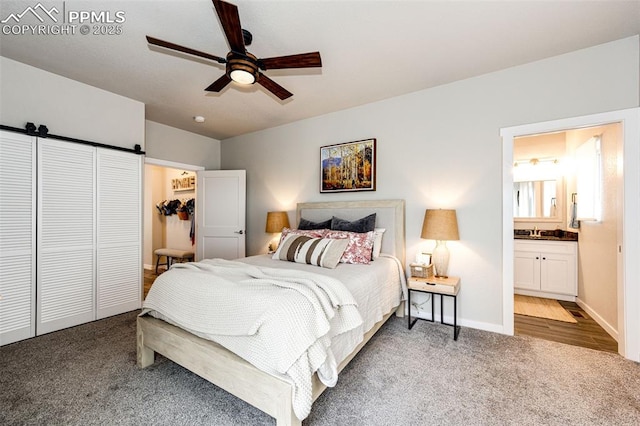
280	320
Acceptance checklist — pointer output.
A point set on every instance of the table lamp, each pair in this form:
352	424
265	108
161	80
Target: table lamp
440	225
275	222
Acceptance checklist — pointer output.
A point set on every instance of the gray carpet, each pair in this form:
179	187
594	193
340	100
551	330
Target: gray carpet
87	375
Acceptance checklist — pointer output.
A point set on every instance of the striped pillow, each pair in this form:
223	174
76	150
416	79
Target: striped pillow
312	251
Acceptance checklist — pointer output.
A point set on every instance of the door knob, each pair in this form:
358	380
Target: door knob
238	232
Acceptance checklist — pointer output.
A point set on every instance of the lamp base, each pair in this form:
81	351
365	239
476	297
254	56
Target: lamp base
441	259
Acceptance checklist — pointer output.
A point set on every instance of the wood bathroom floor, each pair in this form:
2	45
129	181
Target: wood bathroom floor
586	333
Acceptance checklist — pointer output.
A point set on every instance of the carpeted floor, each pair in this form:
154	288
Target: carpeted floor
87	375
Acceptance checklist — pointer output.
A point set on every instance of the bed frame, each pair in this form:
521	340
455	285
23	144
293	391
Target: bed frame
235	375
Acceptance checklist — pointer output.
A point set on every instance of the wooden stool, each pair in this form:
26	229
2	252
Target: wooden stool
171	255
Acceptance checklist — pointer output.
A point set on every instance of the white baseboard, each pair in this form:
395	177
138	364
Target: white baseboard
597	318
478	325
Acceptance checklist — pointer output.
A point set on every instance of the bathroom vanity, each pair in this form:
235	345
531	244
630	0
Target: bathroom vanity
546	267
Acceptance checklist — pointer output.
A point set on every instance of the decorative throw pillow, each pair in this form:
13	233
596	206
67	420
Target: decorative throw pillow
323	252
377	242
359	248
307	224
313	233
365	224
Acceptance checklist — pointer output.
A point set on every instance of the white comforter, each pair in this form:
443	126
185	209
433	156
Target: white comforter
283	321
295	314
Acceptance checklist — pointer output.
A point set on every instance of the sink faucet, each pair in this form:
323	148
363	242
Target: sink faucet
535	232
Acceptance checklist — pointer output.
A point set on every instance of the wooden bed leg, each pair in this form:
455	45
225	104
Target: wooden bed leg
146	356
284	414
293	421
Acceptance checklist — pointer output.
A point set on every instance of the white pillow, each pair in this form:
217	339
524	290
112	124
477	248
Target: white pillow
377	242
323	252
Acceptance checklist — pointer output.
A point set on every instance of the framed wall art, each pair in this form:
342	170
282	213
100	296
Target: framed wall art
348	166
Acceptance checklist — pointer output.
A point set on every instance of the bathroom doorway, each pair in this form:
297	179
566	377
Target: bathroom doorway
545	181
628	159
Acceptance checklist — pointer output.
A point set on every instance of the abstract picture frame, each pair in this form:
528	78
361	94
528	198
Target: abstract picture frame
348	166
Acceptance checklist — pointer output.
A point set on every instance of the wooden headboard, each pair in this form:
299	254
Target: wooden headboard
389	215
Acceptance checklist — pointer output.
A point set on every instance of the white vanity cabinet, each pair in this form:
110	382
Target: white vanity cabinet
545	268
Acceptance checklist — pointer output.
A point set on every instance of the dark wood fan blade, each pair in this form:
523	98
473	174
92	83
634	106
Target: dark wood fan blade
273	87
219	84
230	20
177	47
302	60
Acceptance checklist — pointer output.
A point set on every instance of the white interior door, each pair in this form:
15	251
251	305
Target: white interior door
220	214
66	237
17	237
118	277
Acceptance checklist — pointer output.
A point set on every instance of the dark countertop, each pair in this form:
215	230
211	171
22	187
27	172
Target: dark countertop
525	234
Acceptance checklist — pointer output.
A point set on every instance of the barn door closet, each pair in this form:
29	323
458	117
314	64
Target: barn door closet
71	234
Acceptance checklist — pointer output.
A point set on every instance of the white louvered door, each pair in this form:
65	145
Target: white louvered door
119	273
17	236
66	235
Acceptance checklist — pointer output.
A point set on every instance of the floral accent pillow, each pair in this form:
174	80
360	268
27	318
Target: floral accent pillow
359	248
314	233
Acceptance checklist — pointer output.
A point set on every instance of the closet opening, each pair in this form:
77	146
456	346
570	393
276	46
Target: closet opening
169	215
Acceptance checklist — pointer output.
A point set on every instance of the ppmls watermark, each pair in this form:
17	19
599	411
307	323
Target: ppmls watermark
62	19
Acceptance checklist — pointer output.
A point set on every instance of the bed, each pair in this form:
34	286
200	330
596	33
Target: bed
269	392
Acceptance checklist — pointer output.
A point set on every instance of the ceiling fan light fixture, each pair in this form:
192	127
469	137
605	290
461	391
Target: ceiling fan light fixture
242	69
242	77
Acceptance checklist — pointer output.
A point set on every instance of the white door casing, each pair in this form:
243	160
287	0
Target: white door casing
220	214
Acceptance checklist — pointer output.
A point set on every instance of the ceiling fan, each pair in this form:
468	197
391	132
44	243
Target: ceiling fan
241	66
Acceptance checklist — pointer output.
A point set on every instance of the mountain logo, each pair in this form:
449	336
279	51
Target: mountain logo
38	11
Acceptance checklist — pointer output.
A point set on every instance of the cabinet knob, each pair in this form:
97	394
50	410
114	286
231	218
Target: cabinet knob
537	258
544	258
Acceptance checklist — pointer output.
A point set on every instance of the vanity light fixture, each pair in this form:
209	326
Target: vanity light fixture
536	161
440	225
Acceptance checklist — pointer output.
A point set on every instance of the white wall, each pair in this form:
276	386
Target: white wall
439	148
597	242
169	143
67	107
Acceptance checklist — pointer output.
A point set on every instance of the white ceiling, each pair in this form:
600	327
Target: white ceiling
371	50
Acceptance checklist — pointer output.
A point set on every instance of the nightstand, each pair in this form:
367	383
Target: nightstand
436	286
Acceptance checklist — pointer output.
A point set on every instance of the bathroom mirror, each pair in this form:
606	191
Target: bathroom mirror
536	199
